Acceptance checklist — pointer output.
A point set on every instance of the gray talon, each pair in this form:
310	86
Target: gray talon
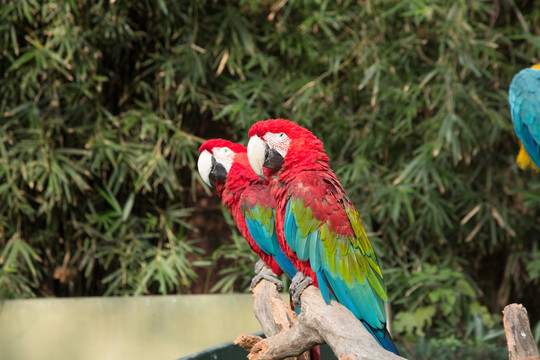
264	272
259	265
298	284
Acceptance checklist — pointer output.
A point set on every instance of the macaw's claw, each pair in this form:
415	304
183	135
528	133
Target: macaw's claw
298	284
264	272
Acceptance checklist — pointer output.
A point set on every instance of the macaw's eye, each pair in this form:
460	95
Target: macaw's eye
226	150
281	135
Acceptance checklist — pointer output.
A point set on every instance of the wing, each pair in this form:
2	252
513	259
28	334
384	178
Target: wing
258	208
322	226
524	99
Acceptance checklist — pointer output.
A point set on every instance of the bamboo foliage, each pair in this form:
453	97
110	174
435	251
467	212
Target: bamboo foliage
104	104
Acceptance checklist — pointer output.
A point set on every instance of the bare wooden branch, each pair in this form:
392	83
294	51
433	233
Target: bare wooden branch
273	314
247	341
318	323
521	344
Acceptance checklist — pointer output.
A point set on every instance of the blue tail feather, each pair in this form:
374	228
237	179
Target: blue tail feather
285	264
383	337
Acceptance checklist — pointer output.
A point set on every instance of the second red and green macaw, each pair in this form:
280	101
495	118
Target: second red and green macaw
247	197
317	225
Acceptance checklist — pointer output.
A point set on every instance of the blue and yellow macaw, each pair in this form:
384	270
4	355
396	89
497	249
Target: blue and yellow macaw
524	99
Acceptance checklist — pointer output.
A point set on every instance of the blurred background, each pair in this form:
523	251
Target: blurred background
103	105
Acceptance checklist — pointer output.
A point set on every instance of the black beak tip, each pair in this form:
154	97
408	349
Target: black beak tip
218	172
273	159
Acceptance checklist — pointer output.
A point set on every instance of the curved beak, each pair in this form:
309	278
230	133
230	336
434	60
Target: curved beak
218	172
261	154
273	160
204	165
209	168
256	152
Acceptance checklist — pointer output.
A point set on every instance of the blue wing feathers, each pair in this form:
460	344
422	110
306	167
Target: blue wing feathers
531	146
290	228
324	287
302	248
357	295
266	238
366	306
343	294
285	264
314	252
257	233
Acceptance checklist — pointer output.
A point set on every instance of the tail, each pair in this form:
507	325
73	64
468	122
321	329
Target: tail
383	337
315	352
294	307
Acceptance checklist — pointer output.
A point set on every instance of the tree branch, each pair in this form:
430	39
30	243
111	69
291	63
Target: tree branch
273	314
521	344
318	323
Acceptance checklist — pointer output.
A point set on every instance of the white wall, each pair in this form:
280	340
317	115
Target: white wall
149	327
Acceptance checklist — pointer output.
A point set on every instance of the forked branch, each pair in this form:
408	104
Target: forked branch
318	323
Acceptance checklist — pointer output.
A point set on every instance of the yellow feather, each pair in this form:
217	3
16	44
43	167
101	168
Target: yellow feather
524	161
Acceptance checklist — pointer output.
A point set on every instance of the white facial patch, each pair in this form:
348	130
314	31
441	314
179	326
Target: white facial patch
278	141
255	153
224	156
204	165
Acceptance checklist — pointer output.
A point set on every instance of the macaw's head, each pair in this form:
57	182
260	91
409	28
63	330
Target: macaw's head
279	143
216	159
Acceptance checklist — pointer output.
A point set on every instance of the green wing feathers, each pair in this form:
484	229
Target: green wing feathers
349	259
363	251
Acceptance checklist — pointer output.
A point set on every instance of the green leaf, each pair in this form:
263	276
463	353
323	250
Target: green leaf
128	206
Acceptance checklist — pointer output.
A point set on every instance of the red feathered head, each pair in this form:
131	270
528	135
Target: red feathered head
278	142
216	159
222	143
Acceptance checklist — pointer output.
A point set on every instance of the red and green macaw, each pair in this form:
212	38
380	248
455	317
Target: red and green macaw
248	198
317	225
524	99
